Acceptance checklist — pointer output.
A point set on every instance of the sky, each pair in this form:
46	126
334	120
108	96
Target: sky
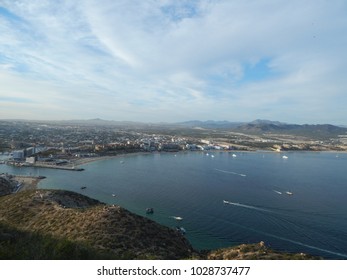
174	60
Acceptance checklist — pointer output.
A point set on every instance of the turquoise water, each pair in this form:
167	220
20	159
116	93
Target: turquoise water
193	186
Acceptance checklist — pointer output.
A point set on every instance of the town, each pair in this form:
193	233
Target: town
67	144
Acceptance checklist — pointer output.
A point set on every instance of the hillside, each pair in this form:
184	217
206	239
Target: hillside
260	127
57	224
320	131
80	225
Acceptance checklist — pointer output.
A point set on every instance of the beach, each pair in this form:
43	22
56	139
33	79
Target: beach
26	182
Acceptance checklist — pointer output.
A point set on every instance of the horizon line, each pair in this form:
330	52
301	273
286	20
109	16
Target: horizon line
168	122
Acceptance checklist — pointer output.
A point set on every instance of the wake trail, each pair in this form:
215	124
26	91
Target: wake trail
247	206
230	172
289	240
278	192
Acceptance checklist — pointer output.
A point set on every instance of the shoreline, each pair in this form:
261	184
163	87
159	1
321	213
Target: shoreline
83	161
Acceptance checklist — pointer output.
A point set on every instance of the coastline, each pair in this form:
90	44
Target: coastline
83	161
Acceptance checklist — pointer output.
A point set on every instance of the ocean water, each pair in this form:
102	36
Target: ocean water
253	186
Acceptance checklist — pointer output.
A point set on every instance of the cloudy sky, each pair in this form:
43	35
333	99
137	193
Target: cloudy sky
172	60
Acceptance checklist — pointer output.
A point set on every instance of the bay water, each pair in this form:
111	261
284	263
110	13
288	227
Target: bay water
296	203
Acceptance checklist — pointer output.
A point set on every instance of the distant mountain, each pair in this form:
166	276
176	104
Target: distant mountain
260	122
210	124
321	131
259	126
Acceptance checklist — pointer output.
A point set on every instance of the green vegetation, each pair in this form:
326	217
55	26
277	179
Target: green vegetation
24	245
70	224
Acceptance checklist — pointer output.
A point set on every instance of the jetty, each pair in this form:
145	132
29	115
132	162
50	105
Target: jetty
45	165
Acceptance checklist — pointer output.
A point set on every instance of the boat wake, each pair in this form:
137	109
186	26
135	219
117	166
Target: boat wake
278	192
246	206
230	172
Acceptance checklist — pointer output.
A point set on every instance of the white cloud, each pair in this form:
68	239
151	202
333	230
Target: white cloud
171	60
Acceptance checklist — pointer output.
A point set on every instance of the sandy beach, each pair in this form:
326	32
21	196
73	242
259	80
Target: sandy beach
81	161
26	182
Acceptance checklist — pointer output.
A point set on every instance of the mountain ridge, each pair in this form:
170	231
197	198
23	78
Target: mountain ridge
184	123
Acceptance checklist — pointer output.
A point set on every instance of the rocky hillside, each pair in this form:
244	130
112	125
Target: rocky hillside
254	252
81	225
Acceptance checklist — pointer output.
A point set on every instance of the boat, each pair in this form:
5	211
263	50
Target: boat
149	210
113	195
177	218
212	155
284	157
234	155
289	193
226	202
83	188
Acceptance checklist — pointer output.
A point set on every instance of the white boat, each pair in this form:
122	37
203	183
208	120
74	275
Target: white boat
212	155
113	195
177	218
226	202
149	211
234	155
289	193
284	157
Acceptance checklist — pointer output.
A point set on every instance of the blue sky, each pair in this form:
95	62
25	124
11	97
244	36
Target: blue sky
168	60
